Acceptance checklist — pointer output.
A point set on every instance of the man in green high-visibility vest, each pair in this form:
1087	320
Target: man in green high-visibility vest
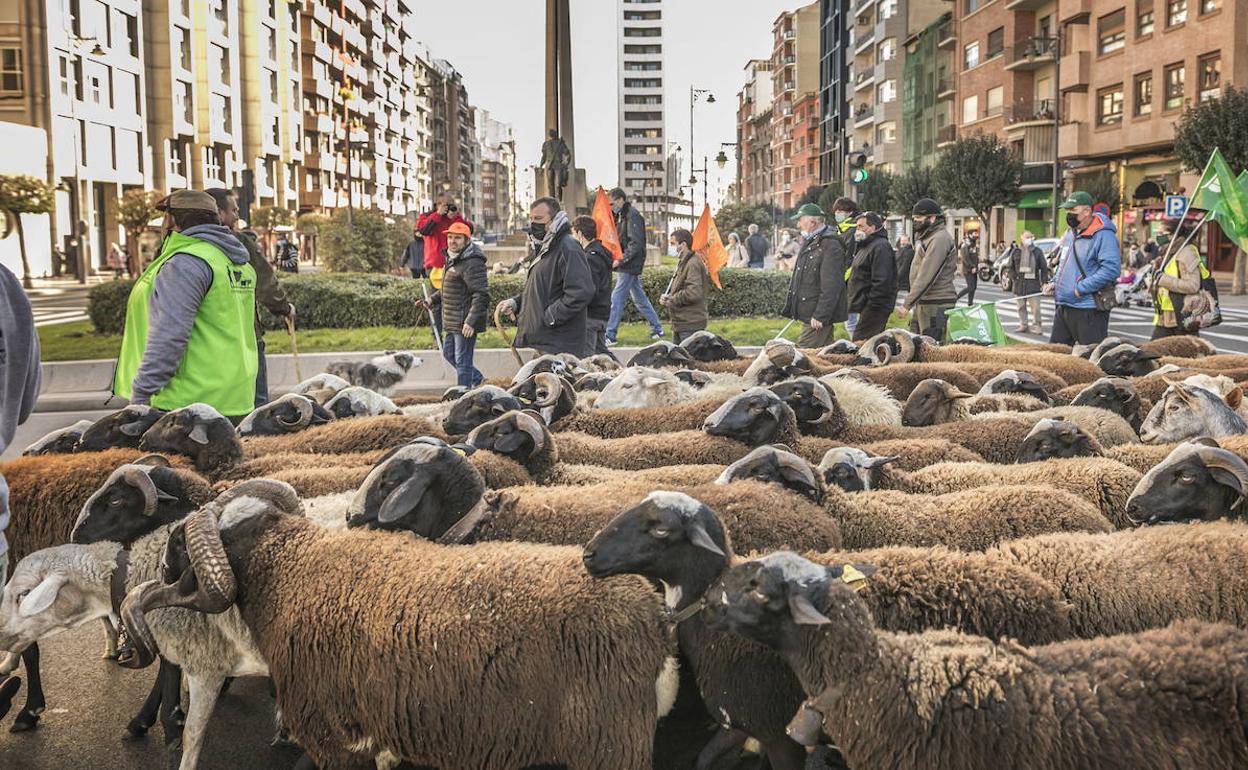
189	334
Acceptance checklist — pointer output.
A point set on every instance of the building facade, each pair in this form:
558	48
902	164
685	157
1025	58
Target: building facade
642	140
876	72
834	85
795	62
497	211
927	89
755	184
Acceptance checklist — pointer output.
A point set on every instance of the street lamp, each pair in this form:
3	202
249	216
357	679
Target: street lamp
694	94
693	181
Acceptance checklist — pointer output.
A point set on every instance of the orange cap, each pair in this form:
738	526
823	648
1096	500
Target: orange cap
459	228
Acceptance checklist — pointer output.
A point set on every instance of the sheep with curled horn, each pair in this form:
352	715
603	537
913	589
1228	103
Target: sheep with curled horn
899	346
1125	360
548	394
706	346
549	362
1196	482
322	387
1187	411
839	348
58	442
568	639
289	414
123	428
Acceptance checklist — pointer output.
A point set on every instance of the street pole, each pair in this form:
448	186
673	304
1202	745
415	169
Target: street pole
692	95
1057	122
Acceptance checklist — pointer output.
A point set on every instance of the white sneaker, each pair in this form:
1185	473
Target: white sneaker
610	342
656	336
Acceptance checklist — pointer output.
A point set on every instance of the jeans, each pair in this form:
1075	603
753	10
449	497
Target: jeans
626	284
262	376
851	323
457	349
972	282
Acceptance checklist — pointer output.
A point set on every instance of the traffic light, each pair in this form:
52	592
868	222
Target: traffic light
859	176
858	162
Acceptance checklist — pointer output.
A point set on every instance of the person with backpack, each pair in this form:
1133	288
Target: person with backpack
1176	286
287	255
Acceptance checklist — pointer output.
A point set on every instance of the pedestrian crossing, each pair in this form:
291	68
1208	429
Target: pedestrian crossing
53	315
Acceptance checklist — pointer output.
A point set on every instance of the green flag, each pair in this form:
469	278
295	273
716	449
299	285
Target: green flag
1225	198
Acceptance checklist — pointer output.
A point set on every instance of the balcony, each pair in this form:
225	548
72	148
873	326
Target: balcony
944	88
1038	175
946	135
1076	72
863	6
1032	54
945	37
863	115
1025	5
864	79
1076	11
1028	113
864	43
789	34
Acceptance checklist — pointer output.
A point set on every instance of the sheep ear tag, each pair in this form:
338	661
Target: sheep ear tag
853	577
404	498
804	613
699	537
199	434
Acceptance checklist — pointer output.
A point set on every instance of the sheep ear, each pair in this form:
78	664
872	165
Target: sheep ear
804	613
42	595
199	434
876	462
1235	398
511	442
698	536
653	382
132	429
404	497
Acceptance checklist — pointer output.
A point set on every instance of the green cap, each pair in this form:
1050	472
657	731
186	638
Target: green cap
1078	198
809	210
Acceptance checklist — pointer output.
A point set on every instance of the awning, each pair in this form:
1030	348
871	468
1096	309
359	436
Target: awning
1036	199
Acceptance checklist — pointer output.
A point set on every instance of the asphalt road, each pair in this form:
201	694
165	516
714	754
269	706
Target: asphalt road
59	301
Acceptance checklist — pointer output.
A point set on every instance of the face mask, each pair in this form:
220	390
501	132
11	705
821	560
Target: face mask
1027	242
1163	239
673	250
841	216
537	230
859	236
921	225
1072	220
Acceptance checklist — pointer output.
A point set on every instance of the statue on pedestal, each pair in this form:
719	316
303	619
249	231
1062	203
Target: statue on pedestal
556	157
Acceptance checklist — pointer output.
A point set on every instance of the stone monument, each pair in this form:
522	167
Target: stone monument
557	174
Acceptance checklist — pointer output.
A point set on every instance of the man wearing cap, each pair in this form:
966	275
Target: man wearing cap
817	289
873	279
1090	261
189	335
931	273
465	302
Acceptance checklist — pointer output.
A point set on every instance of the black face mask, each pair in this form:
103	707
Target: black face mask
922	227
537	230
1163	239
1072	220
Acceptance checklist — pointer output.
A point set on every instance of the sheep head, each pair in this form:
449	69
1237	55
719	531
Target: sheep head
668	536
853	469
34	606
594	381
134	501
197	572
1057	438
600	363
1013	381
478	406
778	360
891	346
1115	394
839	348
755	417
638	387
1126	361
522	436
424	487
694	378
550	395
289	414
776	465
358	401
770	598
660	354
554	364
813	404
60	441
705	346
199	432
123	428
932	402
1198	481
1186	411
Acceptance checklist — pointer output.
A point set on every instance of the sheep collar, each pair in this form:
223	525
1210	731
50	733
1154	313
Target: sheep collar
677	617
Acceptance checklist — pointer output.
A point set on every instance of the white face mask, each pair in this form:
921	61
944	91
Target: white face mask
673	250
1027	242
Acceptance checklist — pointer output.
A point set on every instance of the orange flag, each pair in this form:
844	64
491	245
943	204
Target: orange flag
709	246
605	220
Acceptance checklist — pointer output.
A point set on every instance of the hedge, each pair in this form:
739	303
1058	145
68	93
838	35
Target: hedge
350	300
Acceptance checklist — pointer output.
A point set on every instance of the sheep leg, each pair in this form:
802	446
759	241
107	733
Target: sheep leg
721	743
203	696
110	640
28	718
143	721
171	717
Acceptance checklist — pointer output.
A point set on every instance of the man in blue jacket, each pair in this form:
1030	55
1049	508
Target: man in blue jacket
1090	261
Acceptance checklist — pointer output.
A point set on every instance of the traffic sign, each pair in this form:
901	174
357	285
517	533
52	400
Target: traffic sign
1175	206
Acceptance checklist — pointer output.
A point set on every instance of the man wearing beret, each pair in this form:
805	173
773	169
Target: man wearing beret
189	335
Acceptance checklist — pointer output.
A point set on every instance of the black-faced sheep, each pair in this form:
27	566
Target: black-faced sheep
1118	395
564	639
943	699
677	540
933	402
705	346
902	347
662	354
1125	360
1186	411
380	373
290	413
1020	383
1194	482
197	431
550	395
1057	438
123	428
58	442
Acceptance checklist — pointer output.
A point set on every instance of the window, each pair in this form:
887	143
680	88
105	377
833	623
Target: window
1111	32
1044	27
1109	106
271	44
273	92
1144	94
643	133
220	62
887	10
643	66
1210	68
1209	6
131	25
66	78
184	102
886	92
1144	18
98	88
11	71
886	51
643	82
974	5
182	42
643	49
643	32
1175	75
996	99
970	55
886	133
970	109
1176	12
996	42
173	153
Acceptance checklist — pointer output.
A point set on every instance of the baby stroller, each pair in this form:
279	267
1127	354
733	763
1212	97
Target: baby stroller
1132	288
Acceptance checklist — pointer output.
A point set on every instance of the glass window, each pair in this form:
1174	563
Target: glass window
1144	94
886	133
996	42
886	92
1109	105
970	55
1209	6
970	109
996	98
974	5
182	41
1176	12
1210	68
886	51
1144	18
1175	75
11	71
1111	32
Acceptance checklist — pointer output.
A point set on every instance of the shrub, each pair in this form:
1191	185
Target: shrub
368	244
350	300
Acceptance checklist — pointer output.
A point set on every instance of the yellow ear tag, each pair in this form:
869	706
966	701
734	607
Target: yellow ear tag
459	451
851	577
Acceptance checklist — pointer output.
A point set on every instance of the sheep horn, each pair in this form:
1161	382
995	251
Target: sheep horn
1229	464
139	479
553	384
153	460
824	396
277	493
304	418
883	354
532	426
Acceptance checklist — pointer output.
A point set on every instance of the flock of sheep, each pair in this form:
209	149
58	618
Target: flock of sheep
920	556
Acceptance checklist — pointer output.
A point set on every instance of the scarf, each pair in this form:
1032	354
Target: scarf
553	229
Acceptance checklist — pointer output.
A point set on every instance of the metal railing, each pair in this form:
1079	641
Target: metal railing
1025	112
947	134
1033	48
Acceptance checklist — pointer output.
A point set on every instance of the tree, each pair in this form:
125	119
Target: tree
366	245
1216	123
309	226
1103	188
875	194
24	194
265	218
980	173
737	218
135	210
910	187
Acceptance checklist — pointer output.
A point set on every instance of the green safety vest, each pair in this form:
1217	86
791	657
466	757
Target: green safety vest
843	227
220	363
1164	303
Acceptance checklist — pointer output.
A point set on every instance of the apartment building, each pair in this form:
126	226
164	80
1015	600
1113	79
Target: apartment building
497	188
876	71
272	99
834	87
795	63
453	135
642	141
754	183
927	87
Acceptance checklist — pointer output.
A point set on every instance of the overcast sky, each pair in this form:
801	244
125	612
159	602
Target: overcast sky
497	45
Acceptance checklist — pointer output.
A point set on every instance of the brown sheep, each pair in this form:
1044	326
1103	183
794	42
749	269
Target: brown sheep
1142	457
901	379
1220	361
358	434
1179	346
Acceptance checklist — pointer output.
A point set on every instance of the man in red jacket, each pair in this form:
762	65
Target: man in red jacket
433	225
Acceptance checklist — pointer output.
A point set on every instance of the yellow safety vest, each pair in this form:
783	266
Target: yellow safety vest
1164	303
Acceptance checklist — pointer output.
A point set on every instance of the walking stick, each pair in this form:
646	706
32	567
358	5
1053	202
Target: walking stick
294	345
498	324
780	333
433	326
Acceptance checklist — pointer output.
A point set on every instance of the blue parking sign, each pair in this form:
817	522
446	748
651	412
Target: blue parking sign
1175	206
